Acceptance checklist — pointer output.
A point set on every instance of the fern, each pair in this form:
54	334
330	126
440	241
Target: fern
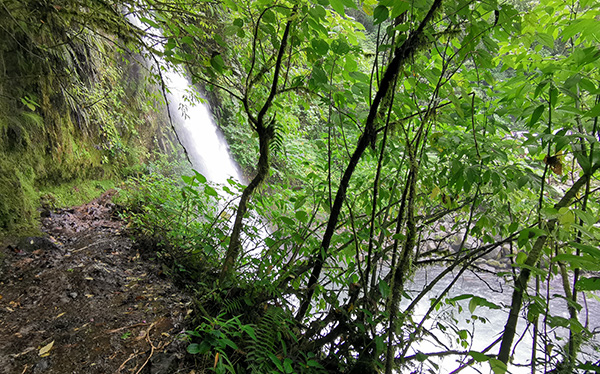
277	142
269	340
234	306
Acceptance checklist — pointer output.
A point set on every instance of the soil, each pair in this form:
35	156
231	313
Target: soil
81	299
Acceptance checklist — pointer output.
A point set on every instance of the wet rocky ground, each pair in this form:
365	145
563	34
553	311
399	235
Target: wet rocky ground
81	299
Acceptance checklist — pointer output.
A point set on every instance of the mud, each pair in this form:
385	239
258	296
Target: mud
84	291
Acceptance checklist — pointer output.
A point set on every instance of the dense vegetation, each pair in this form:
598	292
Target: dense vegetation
381	138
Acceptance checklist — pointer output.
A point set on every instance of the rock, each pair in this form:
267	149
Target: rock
42	365
163	363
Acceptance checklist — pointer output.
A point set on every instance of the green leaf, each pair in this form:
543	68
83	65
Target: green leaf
521	257
338	6
384	288
275	360
269	16
546	39
553	96
210	191
478	356
583	262
399	7
188	180
380	14
594	112
288	221
587	217
340	47
421	357
588	284
217	63
287	365
229	343
537	113
497	366
238	22
319	75
523	238
193	348
567	218
360	76
301	216
590	250
320	46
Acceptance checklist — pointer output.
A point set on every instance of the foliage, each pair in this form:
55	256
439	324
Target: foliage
445	133
183	218
398	133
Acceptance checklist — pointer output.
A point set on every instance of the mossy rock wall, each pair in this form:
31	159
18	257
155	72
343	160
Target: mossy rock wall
73	108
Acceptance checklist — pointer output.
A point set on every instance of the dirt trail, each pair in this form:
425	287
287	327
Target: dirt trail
84	292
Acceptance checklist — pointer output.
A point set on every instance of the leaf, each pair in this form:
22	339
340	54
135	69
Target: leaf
287	365
591	250
301	216
588	284
320	46
567	218
338	6
45	350
275	360
498	367
380	14
229	343
585	216
384	288
288	221
193	348
546	39
319	75
217	63
594	112
478	356
188	180
583	262
340	47
210	191
472	305
360	76
436	191
537	113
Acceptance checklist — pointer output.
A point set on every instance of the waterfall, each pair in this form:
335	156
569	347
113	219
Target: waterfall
203	140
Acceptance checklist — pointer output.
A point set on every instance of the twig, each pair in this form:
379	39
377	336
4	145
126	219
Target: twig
152	347
131	356
126	327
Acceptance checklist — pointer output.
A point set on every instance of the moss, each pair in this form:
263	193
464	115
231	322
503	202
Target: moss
73	193
71	125
17	205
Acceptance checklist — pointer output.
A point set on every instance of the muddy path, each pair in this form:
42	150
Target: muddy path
81	299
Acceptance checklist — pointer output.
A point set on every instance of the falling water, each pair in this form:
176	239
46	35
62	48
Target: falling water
203	140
